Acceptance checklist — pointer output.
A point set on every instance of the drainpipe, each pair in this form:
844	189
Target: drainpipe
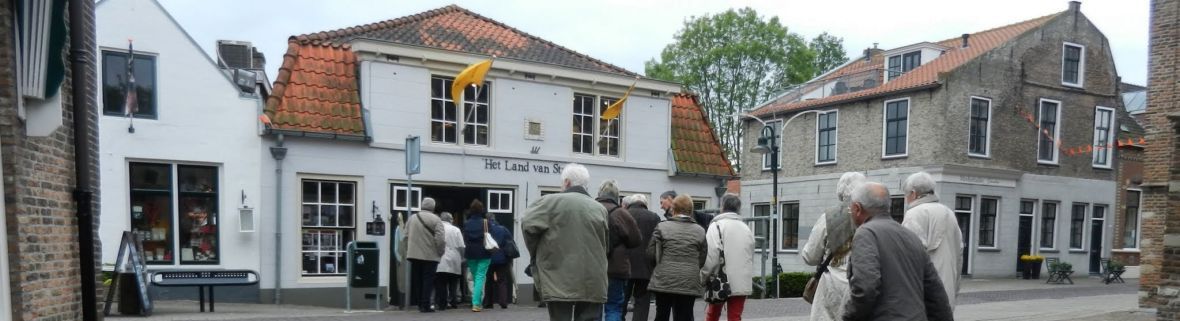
278	152
83	92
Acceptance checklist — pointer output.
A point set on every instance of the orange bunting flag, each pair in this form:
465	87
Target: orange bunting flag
1142	141
472	75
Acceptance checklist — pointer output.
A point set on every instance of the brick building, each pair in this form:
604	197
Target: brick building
969	110
48	149
1159	284
1128	211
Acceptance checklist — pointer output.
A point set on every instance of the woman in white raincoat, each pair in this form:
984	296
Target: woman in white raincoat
832	237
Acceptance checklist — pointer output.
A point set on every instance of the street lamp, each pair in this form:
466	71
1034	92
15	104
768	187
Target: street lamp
768	144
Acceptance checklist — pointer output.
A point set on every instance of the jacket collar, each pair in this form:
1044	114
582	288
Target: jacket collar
639	205
728	216
576	189
682	218
930	198
608	200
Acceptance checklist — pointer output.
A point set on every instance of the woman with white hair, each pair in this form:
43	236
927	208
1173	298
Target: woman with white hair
936	225
828	248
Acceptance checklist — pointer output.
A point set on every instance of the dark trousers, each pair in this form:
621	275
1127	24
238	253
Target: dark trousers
446	290
637	288
574	311
496	287
677	306
422	279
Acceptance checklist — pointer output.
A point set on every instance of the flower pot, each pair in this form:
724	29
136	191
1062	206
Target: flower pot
1036	270
1026	272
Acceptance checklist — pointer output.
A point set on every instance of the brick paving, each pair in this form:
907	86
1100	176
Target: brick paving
1053	302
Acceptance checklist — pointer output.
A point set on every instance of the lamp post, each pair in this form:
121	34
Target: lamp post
768	144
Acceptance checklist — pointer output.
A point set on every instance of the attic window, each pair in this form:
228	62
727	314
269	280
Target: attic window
903	63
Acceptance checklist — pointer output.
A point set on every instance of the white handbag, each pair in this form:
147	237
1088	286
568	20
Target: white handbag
488	242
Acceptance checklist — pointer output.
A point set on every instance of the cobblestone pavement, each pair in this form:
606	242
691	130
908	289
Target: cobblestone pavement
1085	300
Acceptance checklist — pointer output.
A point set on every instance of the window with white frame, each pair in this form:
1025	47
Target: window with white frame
447	123
1049	225
1103	136
1077	223
403	203
1073	64
699	204
1049	133
963	208
896	115
592	134
329	215
903	63
979	139
789	226
988	208
499	201
1130	231
825	137
760	228
766	161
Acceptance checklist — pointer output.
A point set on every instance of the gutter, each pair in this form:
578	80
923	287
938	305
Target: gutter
82	65
850	100
334	136
278	152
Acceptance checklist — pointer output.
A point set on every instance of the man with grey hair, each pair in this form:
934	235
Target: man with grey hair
827	248
450	267
624	235
566	236
646	221
426	238
936	225
890	275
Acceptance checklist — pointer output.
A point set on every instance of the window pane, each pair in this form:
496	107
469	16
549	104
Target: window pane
790	226
311	215
1131	220
987	221
760	228
979	127
1071	65
328	215
1047	136
327	192
151	210
1048	224
114	82
346	215
1026	207
1077	220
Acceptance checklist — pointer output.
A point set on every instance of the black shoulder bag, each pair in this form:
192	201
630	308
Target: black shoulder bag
717	287
813	283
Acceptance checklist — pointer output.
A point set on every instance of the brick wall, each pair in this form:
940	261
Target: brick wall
1130	173
1160	269
38	185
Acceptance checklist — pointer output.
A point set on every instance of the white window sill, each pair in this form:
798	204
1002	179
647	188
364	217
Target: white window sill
1105	167
1049	163
1131	250
895	156
1073	85
979	156
826	163
306	279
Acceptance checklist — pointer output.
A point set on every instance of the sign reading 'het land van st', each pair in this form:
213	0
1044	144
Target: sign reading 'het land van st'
493	164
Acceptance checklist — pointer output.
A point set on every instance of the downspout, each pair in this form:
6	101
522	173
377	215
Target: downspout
278	152
81	15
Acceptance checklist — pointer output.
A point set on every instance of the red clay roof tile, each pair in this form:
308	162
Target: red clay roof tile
316	91
695	147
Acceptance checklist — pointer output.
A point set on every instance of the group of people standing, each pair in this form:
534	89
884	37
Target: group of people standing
591	256
436	250
871	267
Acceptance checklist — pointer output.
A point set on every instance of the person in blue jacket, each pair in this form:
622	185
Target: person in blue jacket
500	273
478	257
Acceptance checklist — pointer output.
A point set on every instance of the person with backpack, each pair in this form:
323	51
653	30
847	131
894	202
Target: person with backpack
828	248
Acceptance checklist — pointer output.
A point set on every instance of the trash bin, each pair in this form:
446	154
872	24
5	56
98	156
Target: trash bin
365	264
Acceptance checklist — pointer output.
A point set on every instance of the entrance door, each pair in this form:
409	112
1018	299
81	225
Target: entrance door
965	229
1024	243
402	207
1096	239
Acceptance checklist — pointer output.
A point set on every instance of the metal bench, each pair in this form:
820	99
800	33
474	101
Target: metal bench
203	279
1056	274
1110	275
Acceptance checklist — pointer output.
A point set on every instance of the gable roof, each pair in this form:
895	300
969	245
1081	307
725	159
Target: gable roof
695	146
316	91
924	76
457	29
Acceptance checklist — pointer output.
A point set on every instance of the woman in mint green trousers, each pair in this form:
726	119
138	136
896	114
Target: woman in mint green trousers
478	257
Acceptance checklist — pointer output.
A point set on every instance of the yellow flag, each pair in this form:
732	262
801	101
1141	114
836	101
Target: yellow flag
616	108
473	74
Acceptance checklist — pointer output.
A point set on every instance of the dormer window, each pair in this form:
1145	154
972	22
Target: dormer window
903	63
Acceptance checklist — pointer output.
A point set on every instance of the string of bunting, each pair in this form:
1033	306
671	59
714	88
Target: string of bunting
1079	150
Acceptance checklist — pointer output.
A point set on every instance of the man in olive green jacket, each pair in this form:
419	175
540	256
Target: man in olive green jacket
566	235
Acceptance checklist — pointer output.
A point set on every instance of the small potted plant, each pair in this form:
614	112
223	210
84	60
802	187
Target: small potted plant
1032	266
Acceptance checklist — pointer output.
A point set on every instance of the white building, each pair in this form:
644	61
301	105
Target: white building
345	101
178	173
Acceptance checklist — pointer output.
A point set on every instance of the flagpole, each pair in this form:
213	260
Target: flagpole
131	87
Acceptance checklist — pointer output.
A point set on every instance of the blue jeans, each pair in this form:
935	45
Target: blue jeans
615	299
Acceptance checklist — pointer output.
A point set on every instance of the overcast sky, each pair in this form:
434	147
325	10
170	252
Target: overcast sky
628	32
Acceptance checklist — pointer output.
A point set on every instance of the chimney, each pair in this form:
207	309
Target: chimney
1075	6
868	55
965	37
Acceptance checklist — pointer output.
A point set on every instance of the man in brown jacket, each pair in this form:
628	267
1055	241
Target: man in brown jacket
624	234
426	243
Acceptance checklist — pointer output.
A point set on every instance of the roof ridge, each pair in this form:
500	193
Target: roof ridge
1045	17
325	36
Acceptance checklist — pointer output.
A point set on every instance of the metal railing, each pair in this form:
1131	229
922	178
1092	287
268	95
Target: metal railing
831	86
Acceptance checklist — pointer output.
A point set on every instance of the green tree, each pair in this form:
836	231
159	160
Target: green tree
829	52
734	61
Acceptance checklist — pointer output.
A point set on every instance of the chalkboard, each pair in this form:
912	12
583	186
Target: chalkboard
131	247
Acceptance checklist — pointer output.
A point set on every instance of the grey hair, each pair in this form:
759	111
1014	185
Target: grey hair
447	217
668	195
427	204
635	199
576	174
848	182
921	183
873	197
609	188
731	203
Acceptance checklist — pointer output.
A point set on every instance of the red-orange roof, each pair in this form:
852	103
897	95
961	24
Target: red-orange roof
316	90
921	77
694	144
457	29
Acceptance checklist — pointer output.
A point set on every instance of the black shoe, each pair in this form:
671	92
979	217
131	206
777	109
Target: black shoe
426	310
541	305
503	306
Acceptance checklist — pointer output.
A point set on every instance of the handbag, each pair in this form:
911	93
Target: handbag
813	283
510	249
488	242
717	286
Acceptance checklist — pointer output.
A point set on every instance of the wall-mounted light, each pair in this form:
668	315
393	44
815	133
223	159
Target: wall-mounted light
377	226
245	216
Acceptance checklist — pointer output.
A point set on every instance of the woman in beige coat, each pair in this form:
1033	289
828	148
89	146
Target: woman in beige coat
678	249
832	237
729	235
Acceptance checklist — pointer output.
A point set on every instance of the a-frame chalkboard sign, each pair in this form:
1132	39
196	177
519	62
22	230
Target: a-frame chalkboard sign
131	247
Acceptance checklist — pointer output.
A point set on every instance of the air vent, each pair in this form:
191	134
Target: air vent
530	76
235	54
534	130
